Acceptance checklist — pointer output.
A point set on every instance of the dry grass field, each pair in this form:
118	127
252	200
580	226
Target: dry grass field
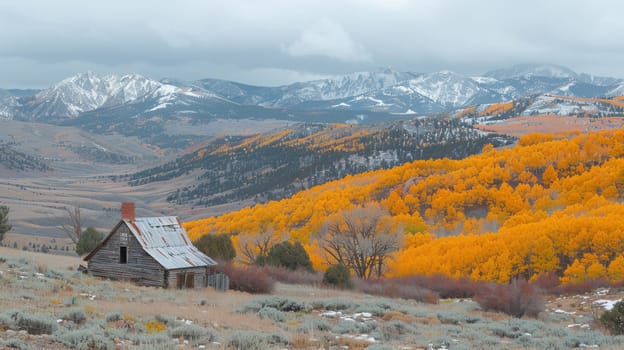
522	125
46	304
38	200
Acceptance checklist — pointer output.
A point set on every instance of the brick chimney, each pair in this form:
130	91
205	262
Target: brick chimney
127	211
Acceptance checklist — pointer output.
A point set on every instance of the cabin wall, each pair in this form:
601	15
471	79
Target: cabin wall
198	274
140	267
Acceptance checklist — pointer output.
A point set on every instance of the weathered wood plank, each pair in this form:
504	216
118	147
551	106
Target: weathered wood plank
139	266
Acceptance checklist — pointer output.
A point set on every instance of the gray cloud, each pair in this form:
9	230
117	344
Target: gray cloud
327	38
278	41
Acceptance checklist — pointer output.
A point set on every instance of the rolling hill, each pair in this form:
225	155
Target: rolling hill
549	204
279	164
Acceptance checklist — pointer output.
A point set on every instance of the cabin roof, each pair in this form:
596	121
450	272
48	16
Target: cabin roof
165	240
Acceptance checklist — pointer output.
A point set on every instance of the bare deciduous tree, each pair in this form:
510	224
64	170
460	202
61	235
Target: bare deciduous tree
73	224
251	246
360	239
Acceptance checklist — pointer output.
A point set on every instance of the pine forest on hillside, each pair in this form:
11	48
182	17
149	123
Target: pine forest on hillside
552	203
279	164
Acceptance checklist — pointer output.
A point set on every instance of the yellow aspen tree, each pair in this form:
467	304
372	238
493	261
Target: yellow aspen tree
596	271
549	176
575	273
616	269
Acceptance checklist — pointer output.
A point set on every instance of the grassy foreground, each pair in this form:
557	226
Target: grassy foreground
46	303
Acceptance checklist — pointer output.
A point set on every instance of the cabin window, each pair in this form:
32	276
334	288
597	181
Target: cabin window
123	255
185	280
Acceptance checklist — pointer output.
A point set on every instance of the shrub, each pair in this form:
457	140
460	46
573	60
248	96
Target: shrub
6	320
289	255
394	288
333	304
442	285
251	279
143	341
4	221
89	239
366	326
345	327
272	314
35	324
166	320
154	326
374	310
339	276
426	289
613	319
547	282
391	330
278	303
75	315
85	338
55	275
517	299
15	344
113	317
456	318
299	276
586	286
311	324
218	247
250	340
193	332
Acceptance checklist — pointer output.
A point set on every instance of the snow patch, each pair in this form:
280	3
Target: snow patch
408	112
560	311
160	106
341	104
484	80
606	304
100	147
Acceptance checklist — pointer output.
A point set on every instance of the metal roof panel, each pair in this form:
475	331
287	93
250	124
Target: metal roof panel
165	240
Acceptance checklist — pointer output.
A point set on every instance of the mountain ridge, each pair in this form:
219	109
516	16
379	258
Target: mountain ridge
447	90
134	105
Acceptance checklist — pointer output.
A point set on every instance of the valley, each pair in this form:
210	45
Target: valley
208	147
362	175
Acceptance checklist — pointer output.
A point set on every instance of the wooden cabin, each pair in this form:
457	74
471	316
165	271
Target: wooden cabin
153	251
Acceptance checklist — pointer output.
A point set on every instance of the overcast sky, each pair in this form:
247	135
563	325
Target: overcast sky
278	42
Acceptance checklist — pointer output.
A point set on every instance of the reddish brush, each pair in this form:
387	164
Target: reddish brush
250	279
517	299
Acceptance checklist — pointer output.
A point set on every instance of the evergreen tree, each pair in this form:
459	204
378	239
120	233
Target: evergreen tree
289	255
89	239
4	221
218	247
339	276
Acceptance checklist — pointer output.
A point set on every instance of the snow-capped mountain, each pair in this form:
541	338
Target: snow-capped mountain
286	96
618	90
581	89
94	97
553	105
449	89
532	70
423	93
88	91
233	91
339	87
